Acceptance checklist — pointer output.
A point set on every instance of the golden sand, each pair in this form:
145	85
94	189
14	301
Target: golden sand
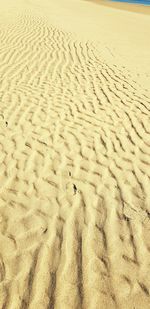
75	156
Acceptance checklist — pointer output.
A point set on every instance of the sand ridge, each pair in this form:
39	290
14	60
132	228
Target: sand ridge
74	185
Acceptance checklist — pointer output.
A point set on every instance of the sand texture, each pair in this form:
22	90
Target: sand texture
74	156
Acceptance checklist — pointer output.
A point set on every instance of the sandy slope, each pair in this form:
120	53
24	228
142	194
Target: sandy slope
75	146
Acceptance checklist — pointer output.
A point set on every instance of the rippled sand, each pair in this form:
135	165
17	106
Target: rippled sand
75	156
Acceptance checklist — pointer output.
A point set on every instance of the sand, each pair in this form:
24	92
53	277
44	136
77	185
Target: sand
75	156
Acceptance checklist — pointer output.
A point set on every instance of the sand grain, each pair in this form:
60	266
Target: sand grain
75	177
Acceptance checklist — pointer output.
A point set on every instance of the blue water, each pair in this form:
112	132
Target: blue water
144	2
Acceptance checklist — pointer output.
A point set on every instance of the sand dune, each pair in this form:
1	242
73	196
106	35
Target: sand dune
75	146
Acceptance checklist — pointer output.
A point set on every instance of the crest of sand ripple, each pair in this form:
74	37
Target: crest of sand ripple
74	177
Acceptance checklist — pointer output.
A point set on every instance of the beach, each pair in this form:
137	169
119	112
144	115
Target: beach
75	155
127	6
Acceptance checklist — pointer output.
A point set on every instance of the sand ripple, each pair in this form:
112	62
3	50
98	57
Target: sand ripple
74	185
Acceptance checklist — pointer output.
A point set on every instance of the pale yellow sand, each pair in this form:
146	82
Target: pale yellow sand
75	156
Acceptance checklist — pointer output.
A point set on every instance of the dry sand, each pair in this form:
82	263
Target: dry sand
75	156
